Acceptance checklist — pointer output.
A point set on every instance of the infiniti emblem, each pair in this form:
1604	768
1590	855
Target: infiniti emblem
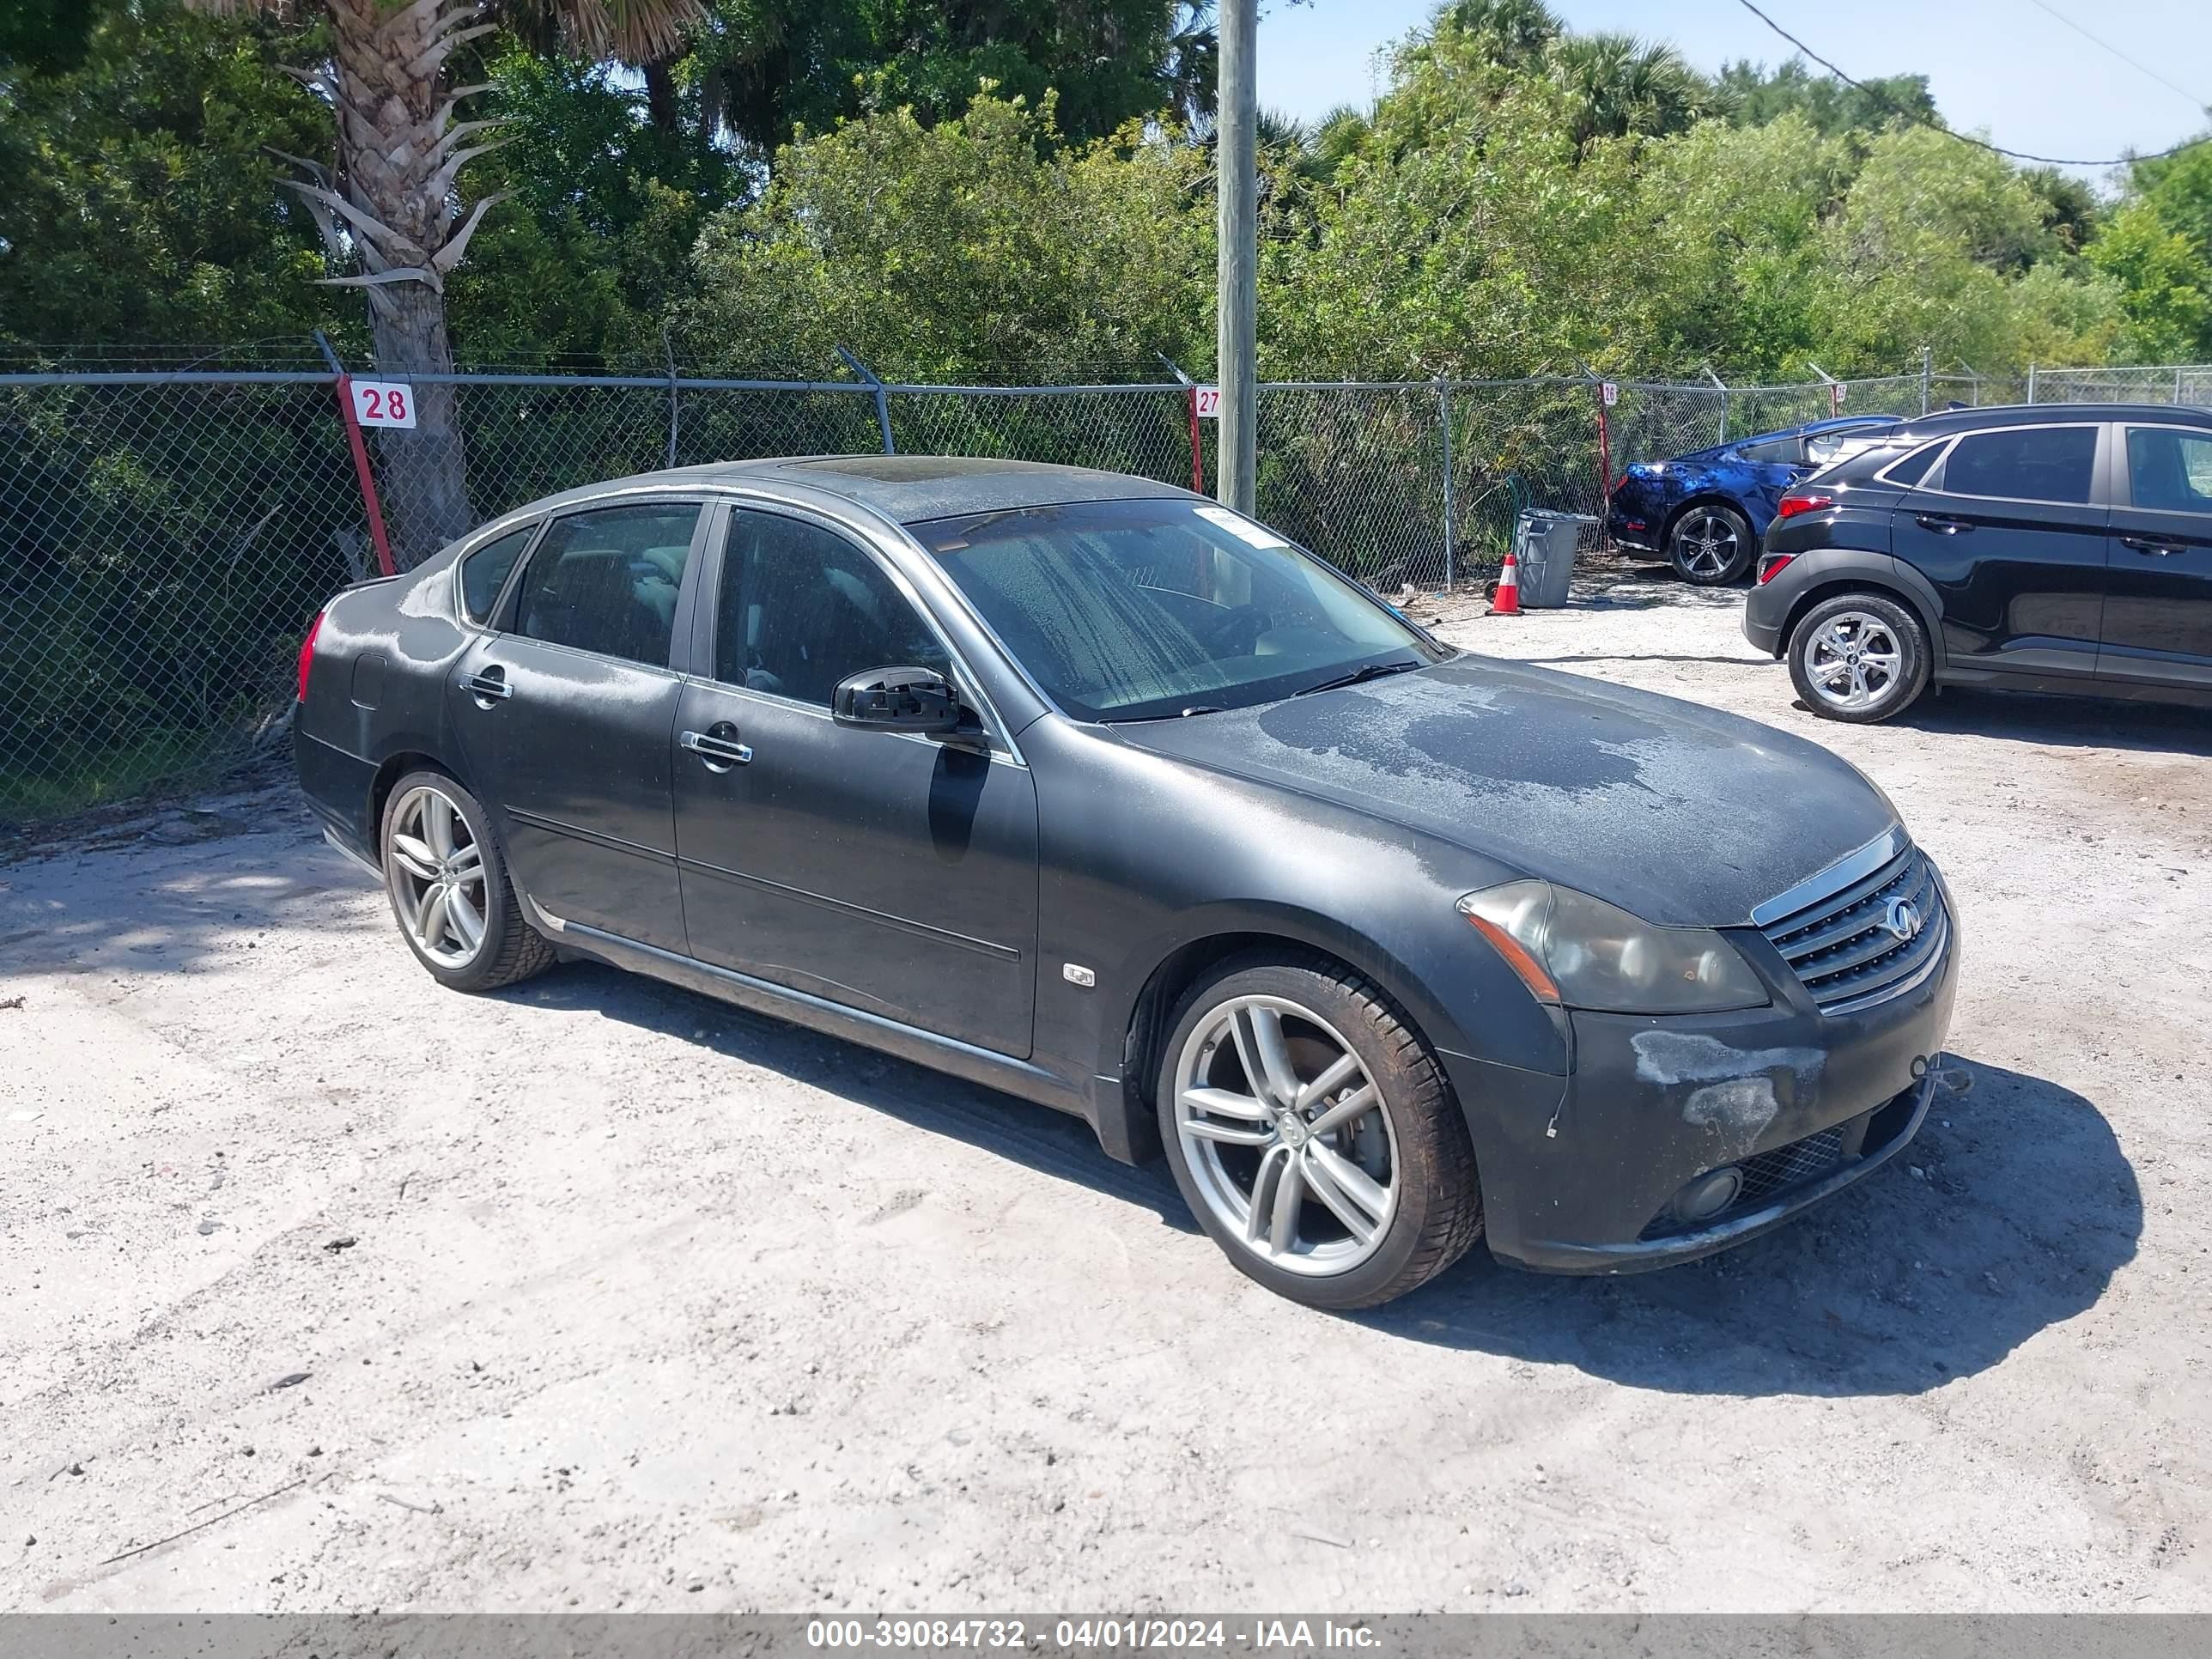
1902	921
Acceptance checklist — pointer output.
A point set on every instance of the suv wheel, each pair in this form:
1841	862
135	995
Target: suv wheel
449	888
1313	1134
1712	545
1858	657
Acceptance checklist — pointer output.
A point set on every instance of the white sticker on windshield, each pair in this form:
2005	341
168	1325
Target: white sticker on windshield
1240	527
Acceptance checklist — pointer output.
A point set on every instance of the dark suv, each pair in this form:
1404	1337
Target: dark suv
2040	548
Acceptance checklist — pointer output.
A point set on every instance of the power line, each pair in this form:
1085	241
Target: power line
2106	45
1894	108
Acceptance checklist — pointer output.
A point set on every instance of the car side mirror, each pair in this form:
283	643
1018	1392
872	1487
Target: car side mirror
898	700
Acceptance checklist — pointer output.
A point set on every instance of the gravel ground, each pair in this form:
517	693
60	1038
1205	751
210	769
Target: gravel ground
599	1295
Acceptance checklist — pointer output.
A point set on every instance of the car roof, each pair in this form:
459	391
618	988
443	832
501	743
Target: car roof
1827	423
1959	420
905	488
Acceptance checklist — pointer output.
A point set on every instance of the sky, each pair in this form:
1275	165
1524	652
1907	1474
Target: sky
2007	69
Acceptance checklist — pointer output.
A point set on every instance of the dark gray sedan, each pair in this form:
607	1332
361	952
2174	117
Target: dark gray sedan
1093	790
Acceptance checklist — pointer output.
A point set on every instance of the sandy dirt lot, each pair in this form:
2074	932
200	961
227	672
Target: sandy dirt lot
599	1295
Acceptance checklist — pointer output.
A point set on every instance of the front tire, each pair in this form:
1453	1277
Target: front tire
450	892
1313	1134
1859	658
1712	545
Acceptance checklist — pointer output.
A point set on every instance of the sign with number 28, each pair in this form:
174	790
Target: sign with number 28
384	403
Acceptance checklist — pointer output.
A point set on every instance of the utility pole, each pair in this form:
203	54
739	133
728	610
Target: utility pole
1236	189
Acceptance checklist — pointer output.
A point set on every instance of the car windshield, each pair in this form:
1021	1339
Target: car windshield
1144	609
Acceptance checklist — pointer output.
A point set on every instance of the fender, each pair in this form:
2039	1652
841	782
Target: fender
1831	567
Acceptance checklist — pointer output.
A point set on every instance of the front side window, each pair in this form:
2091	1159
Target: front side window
1139	610
802	608
484	571
607	581
2170	471
2025	464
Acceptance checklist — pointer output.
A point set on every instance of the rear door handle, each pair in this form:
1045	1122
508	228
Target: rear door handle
717	747
1942	525
488	686
2144	545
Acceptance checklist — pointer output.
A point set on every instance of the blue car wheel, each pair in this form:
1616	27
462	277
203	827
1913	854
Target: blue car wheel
1712	545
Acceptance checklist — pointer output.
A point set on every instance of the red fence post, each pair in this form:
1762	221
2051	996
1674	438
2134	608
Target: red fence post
1197	454
344	384
1604	465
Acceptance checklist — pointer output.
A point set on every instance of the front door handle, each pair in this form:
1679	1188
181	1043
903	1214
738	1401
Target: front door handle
717	747
2158	550
488	686
1940	524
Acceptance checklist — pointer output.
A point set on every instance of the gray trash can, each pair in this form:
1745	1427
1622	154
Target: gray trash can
1544	545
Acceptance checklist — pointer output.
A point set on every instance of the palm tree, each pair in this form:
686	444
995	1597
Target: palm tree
1621	85
390	202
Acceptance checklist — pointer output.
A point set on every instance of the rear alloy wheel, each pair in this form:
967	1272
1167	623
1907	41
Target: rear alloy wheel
1858	657
1314	1136
1711	545
449	888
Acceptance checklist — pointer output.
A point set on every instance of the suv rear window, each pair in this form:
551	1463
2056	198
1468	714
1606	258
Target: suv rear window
2025	464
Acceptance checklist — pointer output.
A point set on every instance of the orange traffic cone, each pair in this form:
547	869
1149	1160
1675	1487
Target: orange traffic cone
1506	602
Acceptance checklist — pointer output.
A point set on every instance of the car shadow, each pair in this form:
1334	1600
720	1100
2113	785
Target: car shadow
2022	1209
2009	1214
1052	1143
2066	721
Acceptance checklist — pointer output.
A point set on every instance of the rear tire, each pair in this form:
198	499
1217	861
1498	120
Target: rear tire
446	877
1342	1177
1859	657
1712	545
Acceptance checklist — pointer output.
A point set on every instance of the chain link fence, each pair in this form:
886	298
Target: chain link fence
2189	384
168	531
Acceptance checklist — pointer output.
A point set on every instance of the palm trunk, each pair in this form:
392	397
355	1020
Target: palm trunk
424	471
397	163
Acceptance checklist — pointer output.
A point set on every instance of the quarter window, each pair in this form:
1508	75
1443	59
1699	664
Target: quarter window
1914	467
2025	464
2170	472
484	571
608	581
802	608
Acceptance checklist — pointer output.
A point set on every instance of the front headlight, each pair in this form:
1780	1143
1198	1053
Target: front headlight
1570	948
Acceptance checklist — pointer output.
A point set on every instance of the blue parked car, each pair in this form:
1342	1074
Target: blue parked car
1706	511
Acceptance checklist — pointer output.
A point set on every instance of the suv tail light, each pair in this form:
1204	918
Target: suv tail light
1771	566
1801	501
307	653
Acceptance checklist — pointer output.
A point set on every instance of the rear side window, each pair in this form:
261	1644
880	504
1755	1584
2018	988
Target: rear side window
1914	467
1786	452
2170	472
608	581
2025	464
484	571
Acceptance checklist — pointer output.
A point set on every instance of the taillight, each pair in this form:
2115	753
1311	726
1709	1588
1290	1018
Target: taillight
1772	565
1801	501
307	652
1620	484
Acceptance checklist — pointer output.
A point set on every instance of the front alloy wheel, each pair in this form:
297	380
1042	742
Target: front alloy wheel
1314	1134
1286	1135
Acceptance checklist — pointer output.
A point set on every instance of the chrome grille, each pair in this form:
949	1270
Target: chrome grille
1840	947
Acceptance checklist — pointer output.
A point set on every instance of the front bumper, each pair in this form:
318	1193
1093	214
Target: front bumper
1578	1173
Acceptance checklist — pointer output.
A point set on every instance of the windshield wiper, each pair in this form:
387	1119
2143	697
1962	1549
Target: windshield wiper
1177	714
1373	671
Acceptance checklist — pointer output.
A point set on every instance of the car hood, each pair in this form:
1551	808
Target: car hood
1682	814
